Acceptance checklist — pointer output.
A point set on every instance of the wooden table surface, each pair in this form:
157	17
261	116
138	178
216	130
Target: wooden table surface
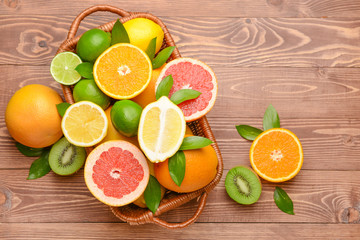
301	56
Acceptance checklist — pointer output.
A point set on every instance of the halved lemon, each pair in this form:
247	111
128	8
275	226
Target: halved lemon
161	129
84	124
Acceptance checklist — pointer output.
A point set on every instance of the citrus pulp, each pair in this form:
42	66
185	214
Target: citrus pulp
276	155
116	173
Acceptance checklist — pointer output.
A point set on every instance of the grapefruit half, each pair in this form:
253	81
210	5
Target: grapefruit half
116	172
189	73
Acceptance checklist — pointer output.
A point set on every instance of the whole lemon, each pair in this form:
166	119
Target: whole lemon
92	43
142	30
31	116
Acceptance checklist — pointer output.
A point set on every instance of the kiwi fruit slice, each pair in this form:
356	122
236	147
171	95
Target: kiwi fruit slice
66	158
243	185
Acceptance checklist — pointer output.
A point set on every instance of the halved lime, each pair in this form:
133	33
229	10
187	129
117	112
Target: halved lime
63	68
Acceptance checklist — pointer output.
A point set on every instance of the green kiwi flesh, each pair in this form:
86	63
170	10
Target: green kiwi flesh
66	158
243	185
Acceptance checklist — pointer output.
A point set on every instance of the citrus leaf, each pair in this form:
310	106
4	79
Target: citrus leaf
119	34
61	108
248	132
85	69
176	166
150	50
40	167
195	142
162	57
184	95
164	87
152	194
271	118
283	201
29	151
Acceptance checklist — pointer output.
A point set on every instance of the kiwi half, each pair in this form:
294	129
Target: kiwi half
243	185
66	158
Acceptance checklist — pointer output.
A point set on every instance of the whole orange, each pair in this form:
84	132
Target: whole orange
148	95
31	116
200	170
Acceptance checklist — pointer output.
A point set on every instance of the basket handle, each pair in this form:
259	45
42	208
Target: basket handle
104	8
186	223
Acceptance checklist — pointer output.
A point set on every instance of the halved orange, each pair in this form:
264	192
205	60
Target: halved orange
123	71
276	155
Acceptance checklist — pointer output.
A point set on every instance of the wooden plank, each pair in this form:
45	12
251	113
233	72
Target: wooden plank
328	130
328	93
318	196
329	144
206	231
234	8
255	42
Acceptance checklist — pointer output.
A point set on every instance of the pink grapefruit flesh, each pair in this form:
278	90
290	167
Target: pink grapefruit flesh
116	173
189	73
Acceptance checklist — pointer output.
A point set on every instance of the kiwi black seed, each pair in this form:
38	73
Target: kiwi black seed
243	185
66	158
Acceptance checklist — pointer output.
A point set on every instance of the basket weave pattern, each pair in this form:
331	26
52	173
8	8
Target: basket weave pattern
132	214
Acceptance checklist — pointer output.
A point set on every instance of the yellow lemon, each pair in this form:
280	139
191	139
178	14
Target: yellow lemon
142	30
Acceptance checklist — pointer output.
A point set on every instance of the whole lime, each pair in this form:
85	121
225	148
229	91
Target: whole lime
125	117
92	43
87	90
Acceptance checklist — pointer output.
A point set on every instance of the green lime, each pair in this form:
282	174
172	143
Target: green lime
92	43
87	90
125	117
63	66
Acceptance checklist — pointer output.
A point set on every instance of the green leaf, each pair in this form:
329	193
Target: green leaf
195	142
184	95
162	57
150	50
271	118
152	194
248	132
85	69
283	201
61	108
177	165
164	87
119	34
29	151
40	167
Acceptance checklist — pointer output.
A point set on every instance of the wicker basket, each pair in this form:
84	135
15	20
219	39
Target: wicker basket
131	213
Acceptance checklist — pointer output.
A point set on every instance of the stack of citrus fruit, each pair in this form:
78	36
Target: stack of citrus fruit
126	107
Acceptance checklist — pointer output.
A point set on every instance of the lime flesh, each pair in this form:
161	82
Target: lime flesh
63	68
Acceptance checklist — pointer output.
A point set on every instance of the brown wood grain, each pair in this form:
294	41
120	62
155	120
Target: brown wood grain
234	8
246	92
205	231
318	196
328	131
301	56
246	42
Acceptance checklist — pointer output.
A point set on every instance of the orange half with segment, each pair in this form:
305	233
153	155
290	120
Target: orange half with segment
123	71
276	155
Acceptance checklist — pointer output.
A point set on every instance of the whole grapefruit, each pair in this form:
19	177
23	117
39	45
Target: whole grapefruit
31	116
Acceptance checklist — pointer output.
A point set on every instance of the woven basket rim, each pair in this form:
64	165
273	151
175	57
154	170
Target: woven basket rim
200	127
